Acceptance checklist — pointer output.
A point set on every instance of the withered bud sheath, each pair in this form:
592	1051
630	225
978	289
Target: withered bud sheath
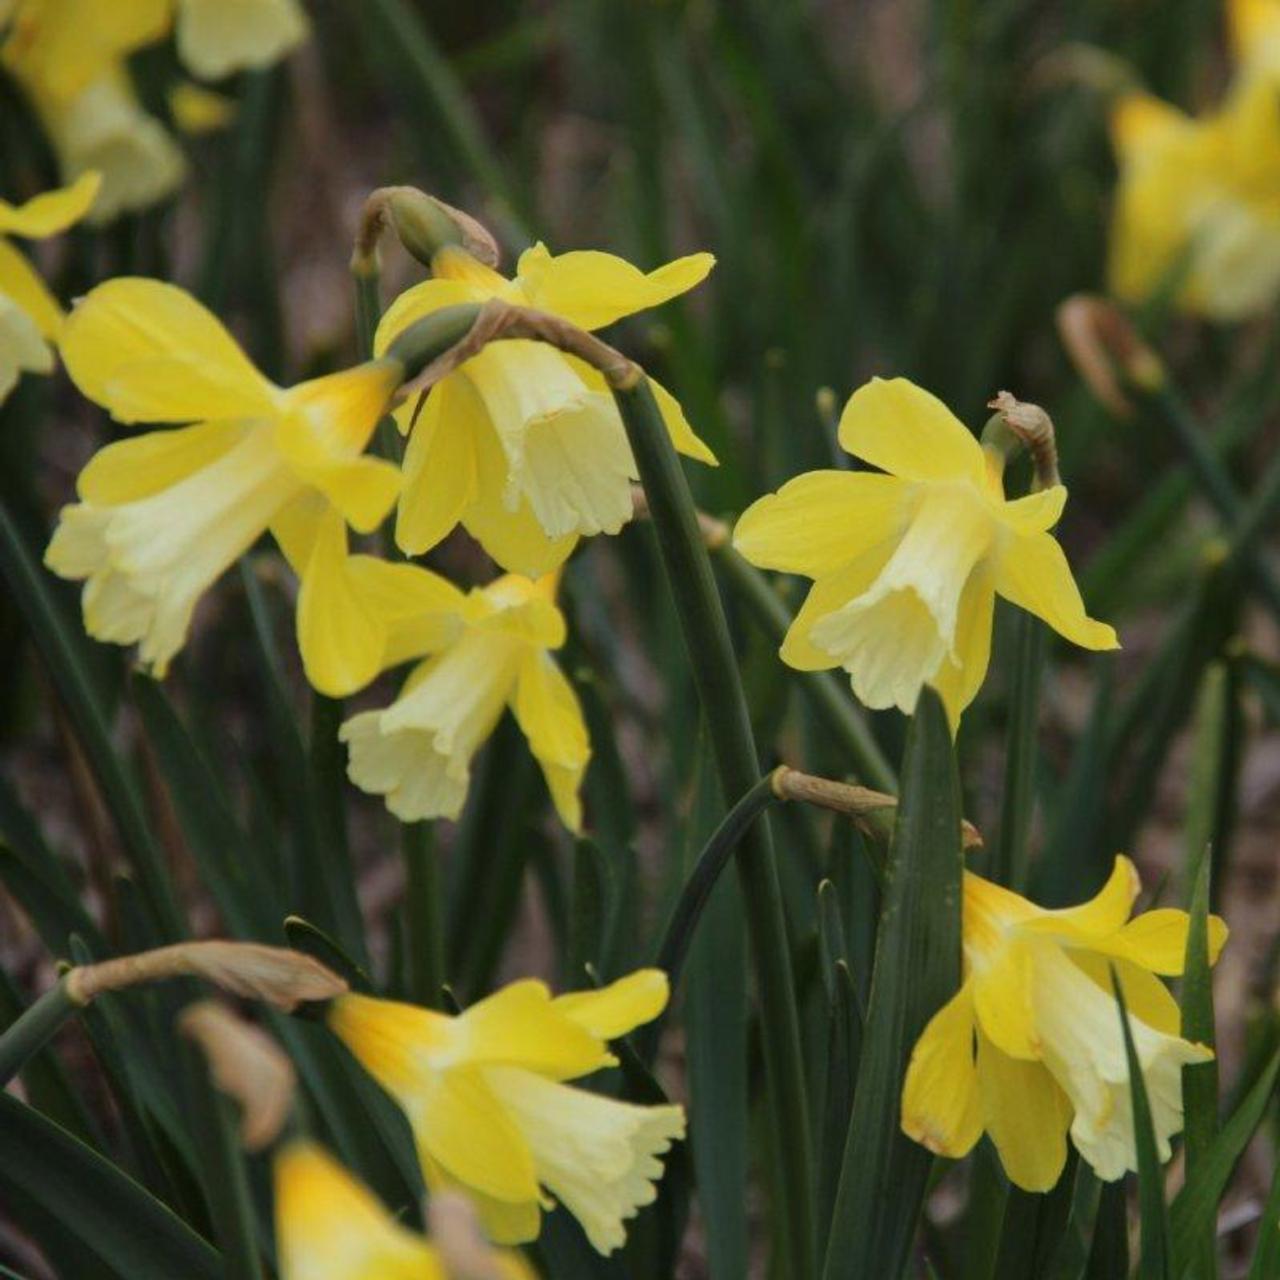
1107	351
423	225
1018	424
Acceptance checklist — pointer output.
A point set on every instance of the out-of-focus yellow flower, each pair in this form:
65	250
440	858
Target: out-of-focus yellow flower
30	317
491	650
104	129
485	1095
217	37
198	110
1197	198
1032	1046
161	516
907	565
329	1226
523	444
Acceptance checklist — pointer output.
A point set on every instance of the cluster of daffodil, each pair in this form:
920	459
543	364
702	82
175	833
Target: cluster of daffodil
1196	208
523	445
70	59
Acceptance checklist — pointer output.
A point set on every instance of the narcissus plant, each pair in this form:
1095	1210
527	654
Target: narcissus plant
1031	1046
907	564
162	515
522	443
491	649
492	1116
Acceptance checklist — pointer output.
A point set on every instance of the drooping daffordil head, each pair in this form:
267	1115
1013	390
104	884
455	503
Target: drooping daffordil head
160	516
329	1226
523	444
492	1115
490	650
907	561
1195	207
30	317
1031	1047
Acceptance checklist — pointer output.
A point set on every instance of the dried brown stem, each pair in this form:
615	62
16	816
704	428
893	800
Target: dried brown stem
1034	428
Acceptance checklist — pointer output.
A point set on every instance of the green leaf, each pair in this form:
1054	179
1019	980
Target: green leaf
1200	1079
108	1215
917	969
1195	1207
1071	1258
589	911
1266	1252
1154	1251
305	936
61	650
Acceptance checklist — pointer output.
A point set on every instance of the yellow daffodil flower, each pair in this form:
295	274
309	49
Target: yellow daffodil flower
491	650
907	565
523	444
217	37
491	1115
329	1226
162	515
30	317
1197	197
1032	1045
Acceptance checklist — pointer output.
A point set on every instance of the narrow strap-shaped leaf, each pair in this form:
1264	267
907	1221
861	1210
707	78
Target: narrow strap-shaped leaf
105	1211
1195	1207
1071	1258
1033	1227
1266	1252
589	909
1018	794
1154	1261
61	650
917	969
423	913
1109	1252
1200	1079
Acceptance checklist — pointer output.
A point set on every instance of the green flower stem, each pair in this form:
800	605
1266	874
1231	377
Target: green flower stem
366	275
424	914
33	1029
1009	866
716	674
1212	477
830	700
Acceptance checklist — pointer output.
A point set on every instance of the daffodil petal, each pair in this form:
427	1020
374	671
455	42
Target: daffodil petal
421	611
902	429
1033	573
683	436
1003	1000
439	466
1145	996
962	673
940	1105
594	289
620	1007
51	211
149	352
550	716
820	522
216	37
22	285
1037	512
1027	1116
1104	913
1140	120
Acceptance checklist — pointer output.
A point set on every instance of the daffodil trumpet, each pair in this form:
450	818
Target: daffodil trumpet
1030	1049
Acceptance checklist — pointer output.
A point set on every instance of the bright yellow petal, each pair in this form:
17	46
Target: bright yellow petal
21	346
961	675
1033	573
620	1007
521	1025
821	521
550	716
137	468
20	283
440	466
1037	512
419	301
297	526
216	37
52	211
1145	996
340	637
420	611
902	429
460	1123
1104	913
828	594
594	289
1002	998
1140	121
1027	1116
329	1226
1157	940
683	436
149	352
940	1094
502	1221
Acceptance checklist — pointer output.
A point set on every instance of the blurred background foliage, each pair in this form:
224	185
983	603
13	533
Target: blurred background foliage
889	187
